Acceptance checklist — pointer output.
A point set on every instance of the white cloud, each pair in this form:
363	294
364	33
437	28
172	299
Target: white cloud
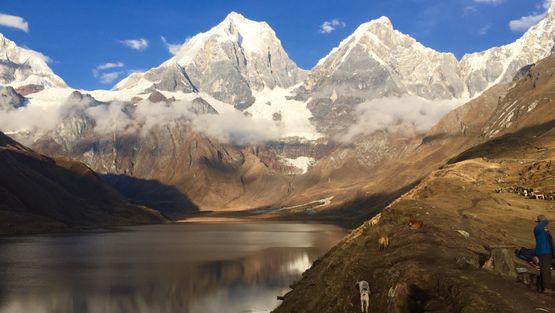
469	9
396	114
235	127
39	55
107	77
229	127
489	1
14	22
135	44
484	30
525	22
110	65
329	26
173	48
36	119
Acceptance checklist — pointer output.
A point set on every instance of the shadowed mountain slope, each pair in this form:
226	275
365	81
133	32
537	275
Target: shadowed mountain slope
41	194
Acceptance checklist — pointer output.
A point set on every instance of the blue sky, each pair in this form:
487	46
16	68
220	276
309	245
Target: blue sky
81	35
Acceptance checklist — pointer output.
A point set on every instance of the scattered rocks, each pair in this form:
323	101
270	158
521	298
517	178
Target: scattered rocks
527	278
463	233
468	262
156	97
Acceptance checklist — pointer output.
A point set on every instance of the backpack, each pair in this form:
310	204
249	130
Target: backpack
525	254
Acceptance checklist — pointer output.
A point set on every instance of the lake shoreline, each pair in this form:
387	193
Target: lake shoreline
203	217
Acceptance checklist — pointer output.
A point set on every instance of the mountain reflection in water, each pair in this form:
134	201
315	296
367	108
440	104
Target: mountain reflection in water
222	268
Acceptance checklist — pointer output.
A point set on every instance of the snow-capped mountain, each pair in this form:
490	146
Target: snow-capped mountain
377	61
230	62
25	69
167	123
482	70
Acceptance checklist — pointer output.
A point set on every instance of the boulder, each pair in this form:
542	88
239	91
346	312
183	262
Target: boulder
466	262
501	262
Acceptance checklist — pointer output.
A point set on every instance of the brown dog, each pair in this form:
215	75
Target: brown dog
415	224
383	242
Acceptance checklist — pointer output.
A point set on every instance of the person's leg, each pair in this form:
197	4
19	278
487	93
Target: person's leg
545	272
547	279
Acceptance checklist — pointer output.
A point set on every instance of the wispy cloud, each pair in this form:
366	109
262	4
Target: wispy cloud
329	26
489	1
135	44
113	117
484	30
14	22
39	55
525	22
173	48
110	65
472	8
107	78
469	9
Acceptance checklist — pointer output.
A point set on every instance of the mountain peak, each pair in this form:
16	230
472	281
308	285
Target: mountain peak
229	61
384	20
380	27
23	66
234	16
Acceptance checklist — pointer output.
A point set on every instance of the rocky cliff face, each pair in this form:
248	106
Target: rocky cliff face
230	62
10	99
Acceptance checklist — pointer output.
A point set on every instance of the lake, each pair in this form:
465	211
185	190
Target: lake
184	267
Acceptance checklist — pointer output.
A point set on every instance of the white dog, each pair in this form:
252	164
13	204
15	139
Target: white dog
364	289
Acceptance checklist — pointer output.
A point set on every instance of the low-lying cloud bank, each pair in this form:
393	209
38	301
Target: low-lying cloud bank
71	115
77	115
388	114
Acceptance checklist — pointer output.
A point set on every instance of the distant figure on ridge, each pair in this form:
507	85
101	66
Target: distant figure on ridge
544	251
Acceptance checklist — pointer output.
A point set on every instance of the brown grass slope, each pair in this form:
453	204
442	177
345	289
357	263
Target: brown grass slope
514	145
40	194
